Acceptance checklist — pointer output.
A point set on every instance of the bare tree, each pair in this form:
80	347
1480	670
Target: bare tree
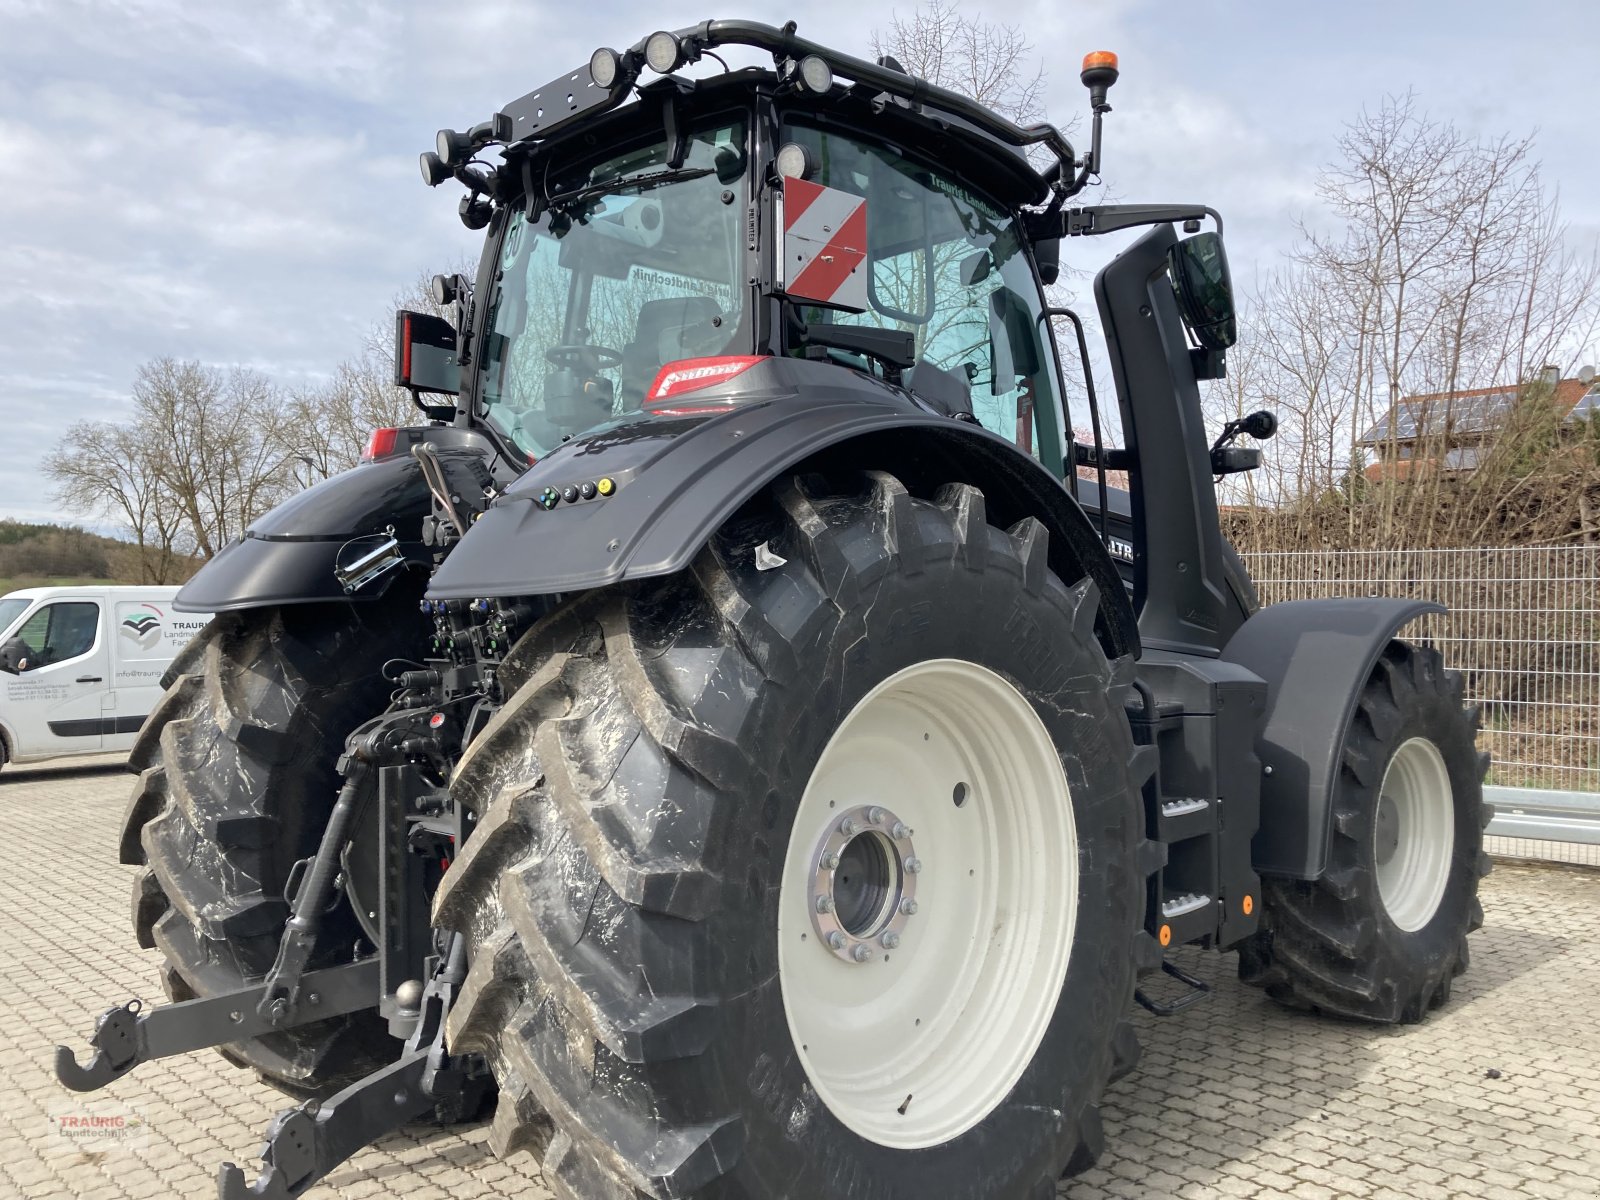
113	471
201	458
1442	267
978	58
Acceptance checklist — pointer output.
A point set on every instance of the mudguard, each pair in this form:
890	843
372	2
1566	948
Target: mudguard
1315	656
287	556
673	480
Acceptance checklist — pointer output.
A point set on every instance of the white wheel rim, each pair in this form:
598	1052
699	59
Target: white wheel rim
1414	833
920	1042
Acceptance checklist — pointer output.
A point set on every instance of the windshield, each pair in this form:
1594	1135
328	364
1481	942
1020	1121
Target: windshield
634	265
946	265
10	609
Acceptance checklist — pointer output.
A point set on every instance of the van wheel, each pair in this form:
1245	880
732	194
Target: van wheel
236	781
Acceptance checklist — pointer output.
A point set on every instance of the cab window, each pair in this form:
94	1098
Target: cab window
948	266
54	634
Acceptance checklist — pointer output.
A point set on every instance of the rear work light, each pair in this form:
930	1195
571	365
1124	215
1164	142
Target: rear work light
380	445
690	375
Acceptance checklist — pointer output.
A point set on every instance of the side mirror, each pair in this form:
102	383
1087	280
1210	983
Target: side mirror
1047	255
425	354
14	656
1205	290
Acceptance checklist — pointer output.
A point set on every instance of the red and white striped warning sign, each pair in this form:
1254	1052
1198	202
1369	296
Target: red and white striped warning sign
824	244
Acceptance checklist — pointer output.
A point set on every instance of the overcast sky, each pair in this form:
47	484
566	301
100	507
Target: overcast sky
235	181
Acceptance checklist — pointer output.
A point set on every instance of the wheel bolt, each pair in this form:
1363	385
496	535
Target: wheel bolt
899	833
831	862
876	815
909	907
848	827
836	940
824	904
861	953
913	865
890	939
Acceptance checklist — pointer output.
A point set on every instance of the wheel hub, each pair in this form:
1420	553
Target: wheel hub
863	883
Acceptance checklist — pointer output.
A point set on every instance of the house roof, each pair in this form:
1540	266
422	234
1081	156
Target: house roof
1471	411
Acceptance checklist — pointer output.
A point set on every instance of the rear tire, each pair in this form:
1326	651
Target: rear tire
236	781
626	890
1383	934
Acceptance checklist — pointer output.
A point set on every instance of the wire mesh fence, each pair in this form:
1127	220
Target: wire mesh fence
1523	627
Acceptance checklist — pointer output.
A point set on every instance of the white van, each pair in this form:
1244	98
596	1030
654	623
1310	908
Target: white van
81	667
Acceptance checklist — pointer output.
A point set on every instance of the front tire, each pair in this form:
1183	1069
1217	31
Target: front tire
653	819
1383	933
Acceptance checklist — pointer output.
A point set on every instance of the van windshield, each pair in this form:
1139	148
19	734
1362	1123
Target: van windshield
11	608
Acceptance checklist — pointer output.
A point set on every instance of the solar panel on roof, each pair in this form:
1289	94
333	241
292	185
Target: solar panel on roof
1588	406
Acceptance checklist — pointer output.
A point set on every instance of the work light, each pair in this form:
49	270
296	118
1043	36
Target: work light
605	67
816	75
663	53
434	172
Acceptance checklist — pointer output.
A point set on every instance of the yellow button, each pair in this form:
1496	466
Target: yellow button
605	487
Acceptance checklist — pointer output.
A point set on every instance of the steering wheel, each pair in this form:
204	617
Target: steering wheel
579	357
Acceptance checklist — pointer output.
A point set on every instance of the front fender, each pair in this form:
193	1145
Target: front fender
676	480
1315	656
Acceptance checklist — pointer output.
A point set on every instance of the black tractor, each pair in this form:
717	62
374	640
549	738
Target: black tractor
728	734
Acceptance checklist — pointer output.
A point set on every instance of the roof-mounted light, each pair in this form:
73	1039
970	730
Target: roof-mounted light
815	75
663	52
453	148
434	172
605	67
1098	74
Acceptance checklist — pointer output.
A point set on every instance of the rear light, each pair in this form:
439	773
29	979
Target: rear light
380	444
690	375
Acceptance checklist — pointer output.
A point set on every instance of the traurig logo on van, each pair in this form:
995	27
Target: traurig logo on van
143	627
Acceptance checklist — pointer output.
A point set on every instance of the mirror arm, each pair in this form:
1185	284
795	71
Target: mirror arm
1110	218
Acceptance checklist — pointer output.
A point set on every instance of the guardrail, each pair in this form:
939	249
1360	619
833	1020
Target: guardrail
1541	814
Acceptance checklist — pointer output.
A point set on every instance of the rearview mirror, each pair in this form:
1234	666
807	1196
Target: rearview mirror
1205	290
425	354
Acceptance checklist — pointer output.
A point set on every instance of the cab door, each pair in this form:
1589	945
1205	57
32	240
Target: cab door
57	678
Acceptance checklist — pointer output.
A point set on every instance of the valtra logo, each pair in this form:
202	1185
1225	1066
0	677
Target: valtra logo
143	627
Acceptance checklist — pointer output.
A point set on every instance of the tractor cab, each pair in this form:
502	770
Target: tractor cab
661	249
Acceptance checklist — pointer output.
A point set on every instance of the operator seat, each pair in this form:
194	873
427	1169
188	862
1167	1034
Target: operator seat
679	327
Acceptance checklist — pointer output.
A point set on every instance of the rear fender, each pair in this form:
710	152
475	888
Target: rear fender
675	480
287	556
1315	656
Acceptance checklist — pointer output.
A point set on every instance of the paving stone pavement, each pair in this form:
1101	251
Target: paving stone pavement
1236	1098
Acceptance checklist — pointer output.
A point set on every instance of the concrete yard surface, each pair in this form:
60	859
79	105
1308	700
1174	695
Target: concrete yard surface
1497	1096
